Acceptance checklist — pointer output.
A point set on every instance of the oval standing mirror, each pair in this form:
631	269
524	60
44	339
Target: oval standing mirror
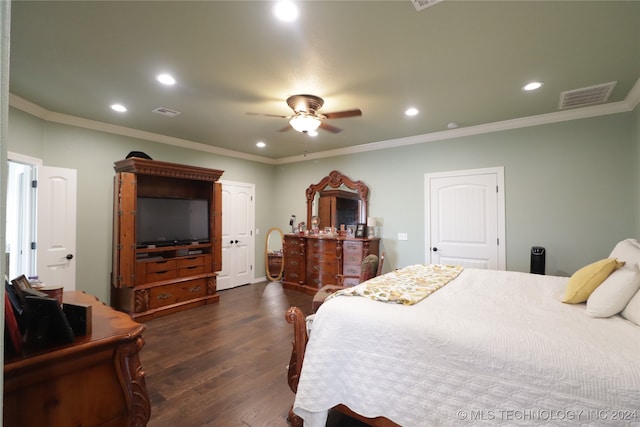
273	254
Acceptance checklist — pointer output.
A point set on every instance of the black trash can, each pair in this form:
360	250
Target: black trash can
537	259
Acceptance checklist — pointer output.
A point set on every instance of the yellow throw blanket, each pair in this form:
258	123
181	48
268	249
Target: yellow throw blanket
408	285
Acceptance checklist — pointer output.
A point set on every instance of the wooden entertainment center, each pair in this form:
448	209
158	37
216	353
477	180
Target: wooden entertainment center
150	280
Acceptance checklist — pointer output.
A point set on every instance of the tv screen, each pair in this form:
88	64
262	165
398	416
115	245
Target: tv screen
165	221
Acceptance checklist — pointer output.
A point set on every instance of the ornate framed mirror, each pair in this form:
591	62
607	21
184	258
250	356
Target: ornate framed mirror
353	195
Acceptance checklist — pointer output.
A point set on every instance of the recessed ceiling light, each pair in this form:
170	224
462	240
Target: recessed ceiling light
286	11
119	108
411	111
166	79
260	144
532	86
452	125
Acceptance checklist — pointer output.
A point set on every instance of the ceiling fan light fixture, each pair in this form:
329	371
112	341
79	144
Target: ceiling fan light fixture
304	123
286	11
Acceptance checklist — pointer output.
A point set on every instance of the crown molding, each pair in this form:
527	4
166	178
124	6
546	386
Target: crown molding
629	104
65	119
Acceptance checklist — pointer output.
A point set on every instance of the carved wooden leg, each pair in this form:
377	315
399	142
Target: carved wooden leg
131	377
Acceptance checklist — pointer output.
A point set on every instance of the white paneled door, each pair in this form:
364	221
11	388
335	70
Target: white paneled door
238	240
465	218
56	229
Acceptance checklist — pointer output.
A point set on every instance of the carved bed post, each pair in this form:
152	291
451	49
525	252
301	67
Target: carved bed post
295	316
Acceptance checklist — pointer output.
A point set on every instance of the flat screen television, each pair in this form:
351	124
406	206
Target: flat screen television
164	221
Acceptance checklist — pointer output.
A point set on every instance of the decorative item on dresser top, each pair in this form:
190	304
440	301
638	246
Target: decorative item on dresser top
96	381
167	232
313	259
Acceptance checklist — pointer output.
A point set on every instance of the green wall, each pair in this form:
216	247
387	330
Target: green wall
93	153
571	187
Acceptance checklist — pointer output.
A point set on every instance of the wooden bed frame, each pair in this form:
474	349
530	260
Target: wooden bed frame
296	317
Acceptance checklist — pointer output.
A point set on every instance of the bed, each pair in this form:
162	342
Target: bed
486	348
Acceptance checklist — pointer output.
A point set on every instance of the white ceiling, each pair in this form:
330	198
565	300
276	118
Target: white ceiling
456	61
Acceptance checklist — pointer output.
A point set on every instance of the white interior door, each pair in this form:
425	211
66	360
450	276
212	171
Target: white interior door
465	218
238	240
56	229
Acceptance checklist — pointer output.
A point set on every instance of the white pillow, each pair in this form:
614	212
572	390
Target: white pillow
613	295
632	310
627	250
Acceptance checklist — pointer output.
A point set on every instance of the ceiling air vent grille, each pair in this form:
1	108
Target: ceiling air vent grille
166	112
586	96
423	4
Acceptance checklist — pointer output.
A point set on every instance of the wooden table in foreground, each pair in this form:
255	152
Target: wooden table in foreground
96	381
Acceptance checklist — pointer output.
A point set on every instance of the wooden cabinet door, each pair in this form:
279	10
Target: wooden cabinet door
124	238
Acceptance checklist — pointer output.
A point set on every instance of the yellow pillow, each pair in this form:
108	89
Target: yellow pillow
588	278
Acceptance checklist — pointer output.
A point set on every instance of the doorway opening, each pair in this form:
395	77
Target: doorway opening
20	251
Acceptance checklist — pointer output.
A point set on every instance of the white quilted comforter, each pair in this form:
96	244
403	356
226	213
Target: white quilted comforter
490	348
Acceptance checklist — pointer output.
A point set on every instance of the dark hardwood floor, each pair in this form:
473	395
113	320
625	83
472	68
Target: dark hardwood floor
225	364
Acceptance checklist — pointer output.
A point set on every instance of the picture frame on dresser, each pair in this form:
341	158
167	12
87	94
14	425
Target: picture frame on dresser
361	230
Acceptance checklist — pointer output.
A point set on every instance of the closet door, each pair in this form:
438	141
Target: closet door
465	219
238	240
56	244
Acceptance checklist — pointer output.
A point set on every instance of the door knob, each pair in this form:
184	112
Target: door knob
435	249
69	256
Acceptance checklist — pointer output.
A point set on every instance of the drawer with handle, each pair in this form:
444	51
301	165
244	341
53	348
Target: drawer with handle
191	261
160	296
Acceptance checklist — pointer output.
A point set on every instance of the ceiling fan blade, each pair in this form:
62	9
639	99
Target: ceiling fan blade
267	115
342	114
330	128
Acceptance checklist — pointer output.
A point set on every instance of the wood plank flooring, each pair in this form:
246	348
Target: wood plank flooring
224	364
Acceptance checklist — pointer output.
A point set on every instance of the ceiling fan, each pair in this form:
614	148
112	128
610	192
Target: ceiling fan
307	119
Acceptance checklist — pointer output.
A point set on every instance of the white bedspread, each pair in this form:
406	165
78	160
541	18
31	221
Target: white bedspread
491	347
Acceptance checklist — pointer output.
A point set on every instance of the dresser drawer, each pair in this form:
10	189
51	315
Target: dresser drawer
322	247
352	248
191	261
351	281
293	242
293	276
351	270
354	259
163	265
319	280
191	271
160	296
325	268
157	276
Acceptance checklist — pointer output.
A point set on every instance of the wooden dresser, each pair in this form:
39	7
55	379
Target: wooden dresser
310	262
96	381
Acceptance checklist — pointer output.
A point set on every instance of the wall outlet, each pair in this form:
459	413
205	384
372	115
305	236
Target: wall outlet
403	236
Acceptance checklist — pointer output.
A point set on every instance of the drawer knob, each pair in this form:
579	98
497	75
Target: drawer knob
195	289
164	295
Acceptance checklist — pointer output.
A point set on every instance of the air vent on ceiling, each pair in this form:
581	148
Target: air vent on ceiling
586	96
166	112
423	4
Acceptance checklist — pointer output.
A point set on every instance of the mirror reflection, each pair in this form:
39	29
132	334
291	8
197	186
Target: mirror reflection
273	254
